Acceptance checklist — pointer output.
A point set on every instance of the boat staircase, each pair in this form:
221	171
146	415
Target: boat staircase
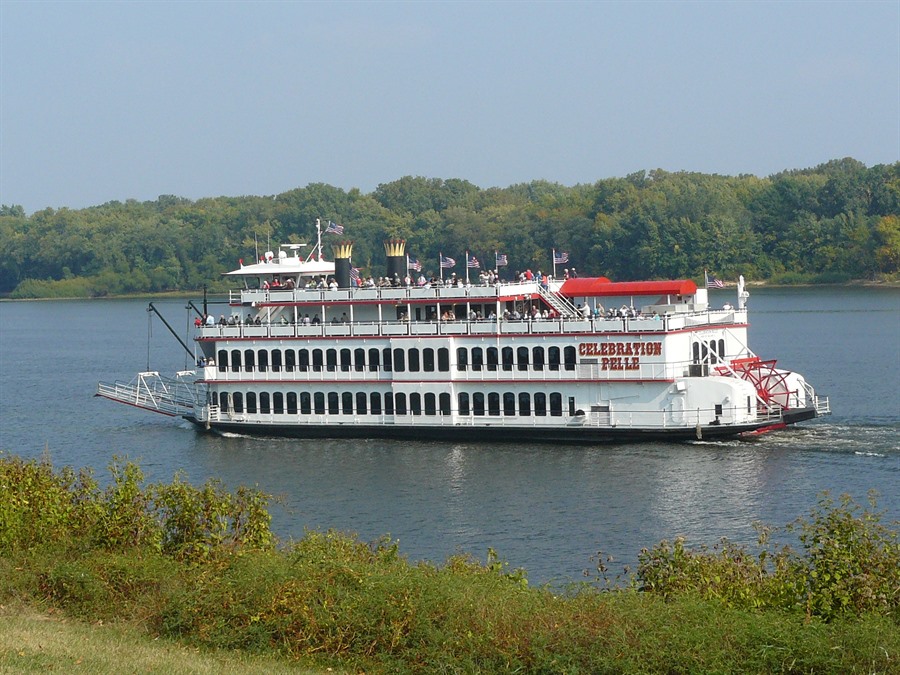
150	391
565	308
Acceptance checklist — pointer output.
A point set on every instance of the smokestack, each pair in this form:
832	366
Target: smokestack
395	249
342	252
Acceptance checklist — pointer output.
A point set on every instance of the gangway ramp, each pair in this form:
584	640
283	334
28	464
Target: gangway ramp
151	391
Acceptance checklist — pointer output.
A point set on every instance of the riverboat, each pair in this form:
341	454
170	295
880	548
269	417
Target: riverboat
310	349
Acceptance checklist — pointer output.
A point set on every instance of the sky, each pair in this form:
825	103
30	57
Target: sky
109	101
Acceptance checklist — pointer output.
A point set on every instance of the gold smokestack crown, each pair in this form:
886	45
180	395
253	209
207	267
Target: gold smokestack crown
394	248
342	250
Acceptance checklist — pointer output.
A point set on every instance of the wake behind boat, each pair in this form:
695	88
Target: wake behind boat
311	349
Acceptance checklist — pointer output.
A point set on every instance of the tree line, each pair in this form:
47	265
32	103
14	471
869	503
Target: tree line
837	222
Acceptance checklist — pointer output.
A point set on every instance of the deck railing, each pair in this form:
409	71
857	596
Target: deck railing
640	324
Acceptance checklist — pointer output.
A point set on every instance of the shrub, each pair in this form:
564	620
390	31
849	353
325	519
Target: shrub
849	564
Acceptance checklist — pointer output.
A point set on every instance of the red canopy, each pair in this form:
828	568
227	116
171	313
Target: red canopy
587	287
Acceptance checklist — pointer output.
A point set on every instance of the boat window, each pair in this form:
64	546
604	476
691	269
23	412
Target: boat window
478	403
443	359
331	360
374	360
572	406
430	404
303	360
524	404
347	403
319	402
305	403
540	404
317	360
235	360
389	403
400	404
509	404
722	348
399	361
462	358
463	403
570	358
375	403
493	403
492	355
263	360
345	360
415	404
556	404
444	400
477	358
361	403
388	361
249	360
553	357
251	401
223	402
333	403
507	358
413	360
278	403
264	403
522	358
290	360
537	358
695	349
428	360
292	403
359	357
223	360
276	360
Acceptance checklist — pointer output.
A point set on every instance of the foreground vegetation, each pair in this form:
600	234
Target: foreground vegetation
200	569
832	223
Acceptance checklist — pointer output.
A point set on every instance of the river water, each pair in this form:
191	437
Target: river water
547	509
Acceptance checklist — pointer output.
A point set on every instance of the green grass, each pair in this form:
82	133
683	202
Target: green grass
38	642
173	578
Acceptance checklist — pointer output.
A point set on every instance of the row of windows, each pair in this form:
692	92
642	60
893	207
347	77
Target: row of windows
508	404
711	351
397	359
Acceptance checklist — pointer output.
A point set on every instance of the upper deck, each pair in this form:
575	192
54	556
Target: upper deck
280	315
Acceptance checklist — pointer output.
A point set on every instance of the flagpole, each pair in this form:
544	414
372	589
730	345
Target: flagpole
441	266
553	253
467	267
496	266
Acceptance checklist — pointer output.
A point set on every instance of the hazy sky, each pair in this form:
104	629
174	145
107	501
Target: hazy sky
105	101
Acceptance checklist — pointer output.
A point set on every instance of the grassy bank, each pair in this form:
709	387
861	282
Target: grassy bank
198	568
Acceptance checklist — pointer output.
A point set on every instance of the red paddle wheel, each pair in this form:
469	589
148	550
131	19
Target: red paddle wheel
771	384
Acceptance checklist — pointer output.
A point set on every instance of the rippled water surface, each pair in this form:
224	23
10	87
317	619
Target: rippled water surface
545	508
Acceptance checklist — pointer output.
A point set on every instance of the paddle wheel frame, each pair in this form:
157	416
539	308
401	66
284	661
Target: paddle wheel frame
771	383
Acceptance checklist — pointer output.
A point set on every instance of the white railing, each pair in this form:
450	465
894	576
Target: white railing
597	325
151	391
626	419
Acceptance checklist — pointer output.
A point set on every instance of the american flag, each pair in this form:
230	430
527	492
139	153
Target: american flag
413	264
447	263
560	258
354	273
472	263
335	228
712	282
502	260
